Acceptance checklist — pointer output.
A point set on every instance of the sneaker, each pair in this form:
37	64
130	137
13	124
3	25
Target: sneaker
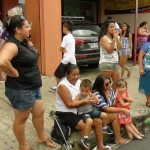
86	142
95	148
107	130
53	89
106	147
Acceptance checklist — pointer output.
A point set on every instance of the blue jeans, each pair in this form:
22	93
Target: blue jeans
23	99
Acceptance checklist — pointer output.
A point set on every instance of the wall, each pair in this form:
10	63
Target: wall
6	5
35	19
50	24
128	18
46	32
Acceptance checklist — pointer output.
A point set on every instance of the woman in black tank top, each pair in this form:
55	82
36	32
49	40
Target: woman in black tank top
23	81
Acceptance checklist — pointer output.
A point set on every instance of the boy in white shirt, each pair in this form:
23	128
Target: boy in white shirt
68	50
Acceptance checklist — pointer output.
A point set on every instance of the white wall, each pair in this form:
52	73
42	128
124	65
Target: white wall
128	18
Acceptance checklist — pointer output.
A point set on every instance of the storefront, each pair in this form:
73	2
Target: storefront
85	8
45	16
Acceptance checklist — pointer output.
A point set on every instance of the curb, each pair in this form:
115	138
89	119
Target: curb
142	123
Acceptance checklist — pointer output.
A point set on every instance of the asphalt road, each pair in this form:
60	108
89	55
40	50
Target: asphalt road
137	144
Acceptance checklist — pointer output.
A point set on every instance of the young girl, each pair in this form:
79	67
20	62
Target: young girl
126	52
124	100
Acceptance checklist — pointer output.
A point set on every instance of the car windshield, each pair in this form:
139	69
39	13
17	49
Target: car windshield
86	30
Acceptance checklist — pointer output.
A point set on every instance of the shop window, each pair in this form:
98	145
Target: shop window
85	8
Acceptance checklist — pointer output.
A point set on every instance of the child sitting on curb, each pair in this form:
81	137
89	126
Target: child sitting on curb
87	112
124	100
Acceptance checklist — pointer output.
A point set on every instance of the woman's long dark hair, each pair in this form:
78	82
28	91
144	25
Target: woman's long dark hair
104	27
127	31
99	85
148	39
142	24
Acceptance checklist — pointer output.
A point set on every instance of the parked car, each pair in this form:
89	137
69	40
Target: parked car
87	45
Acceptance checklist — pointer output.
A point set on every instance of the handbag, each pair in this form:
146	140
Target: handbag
124	119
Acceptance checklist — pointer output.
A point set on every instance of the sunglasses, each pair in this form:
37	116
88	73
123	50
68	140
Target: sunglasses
107	84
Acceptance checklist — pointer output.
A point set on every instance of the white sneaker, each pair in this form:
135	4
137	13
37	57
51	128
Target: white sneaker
106	147
95	148
53	89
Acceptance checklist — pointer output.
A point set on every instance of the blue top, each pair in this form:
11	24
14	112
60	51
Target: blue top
102	103
146	59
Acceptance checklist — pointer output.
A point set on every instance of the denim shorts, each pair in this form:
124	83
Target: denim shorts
92	114
109	67
22	99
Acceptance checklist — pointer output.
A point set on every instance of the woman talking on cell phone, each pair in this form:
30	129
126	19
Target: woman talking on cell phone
109	46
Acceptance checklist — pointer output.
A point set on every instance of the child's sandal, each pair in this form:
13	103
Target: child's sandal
141	135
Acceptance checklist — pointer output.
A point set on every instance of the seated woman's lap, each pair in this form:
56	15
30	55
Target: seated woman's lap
72	120
111	117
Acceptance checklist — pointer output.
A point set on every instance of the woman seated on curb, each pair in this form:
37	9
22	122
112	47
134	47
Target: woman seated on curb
102	88
66	92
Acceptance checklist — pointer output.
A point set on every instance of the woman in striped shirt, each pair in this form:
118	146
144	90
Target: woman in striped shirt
102	88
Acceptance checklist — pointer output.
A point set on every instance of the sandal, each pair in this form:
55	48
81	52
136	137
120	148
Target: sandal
141	135
49	143
122	141
138	138
128	74
148	104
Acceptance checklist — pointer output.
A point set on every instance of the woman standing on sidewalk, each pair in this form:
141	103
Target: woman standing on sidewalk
23	81
126	52
142	35
109	46
144	70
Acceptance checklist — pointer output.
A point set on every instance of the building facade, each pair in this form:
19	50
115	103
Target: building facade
46	33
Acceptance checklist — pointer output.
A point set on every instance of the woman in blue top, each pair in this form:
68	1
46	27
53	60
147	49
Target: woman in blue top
102	88
144	70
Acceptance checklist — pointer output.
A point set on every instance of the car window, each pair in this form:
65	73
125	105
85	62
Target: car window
86	30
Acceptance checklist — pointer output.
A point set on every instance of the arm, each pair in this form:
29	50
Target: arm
143	32
119	44
77	98
115	110
140	61
66	96
8	52
123	104
109	47
131	45
62	49
129	98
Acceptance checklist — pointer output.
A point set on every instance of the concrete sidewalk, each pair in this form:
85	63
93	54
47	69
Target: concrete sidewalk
7	139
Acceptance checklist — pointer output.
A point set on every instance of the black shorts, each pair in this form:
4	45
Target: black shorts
60	71
70	119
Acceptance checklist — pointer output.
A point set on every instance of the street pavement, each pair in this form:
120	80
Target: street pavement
137	144
7	138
